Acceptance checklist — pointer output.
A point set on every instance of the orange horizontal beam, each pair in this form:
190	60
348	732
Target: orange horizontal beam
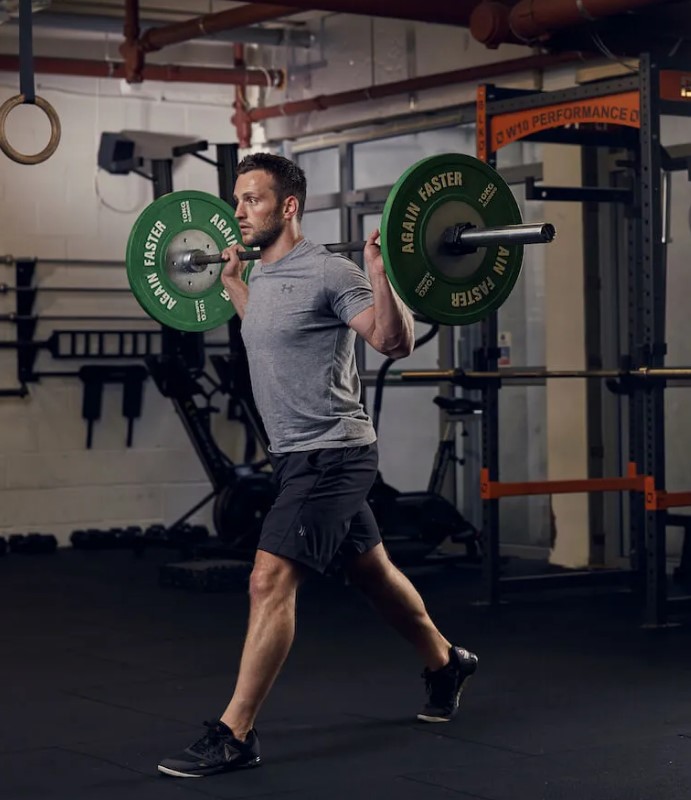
493	490
656	500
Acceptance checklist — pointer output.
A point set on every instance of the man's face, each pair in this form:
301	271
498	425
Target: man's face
258	212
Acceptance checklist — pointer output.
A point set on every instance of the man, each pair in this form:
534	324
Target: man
300	315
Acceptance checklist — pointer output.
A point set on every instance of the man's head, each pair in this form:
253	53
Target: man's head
270	192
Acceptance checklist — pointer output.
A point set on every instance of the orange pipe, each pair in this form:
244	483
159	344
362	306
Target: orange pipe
130	50
134	47
155	72
240	117
240	17
531	19
131	29
494	23
447	12
467	75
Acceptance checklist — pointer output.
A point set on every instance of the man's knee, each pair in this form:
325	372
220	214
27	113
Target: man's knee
273	576
370	568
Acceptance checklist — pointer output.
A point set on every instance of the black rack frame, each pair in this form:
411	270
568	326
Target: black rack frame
646	309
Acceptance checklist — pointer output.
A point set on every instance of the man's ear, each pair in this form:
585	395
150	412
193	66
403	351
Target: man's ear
291	206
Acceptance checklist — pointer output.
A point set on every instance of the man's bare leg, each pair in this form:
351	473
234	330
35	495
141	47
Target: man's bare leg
399	602
273	589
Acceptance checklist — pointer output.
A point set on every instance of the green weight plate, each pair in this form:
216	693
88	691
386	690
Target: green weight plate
170	228
430	196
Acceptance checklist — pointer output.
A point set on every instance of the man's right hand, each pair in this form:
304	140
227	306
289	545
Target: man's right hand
233	267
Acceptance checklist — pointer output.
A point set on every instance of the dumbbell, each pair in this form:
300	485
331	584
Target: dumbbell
32	543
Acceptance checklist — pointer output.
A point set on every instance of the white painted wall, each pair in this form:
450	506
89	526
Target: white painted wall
66	208
365	51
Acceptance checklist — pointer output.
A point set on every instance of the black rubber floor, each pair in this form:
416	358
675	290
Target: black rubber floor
102	672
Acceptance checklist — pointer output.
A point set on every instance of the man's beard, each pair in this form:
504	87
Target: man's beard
268	234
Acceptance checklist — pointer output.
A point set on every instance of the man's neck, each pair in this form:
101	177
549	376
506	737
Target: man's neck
286	242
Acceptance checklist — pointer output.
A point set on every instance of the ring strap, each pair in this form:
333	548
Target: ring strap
26	52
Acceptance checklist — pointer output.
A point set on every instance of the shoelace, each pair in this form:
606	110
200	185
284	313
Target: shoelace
210	739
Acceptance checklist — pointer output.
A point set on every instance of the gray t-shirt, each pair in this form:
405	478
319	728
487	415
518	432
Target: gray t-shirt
301	351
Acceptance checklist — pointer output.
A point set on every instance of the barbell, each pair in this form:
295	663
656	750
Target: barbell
452	241
472	377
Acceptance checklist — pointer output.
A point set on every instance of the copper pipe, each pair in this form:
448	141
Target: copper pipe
240	17
532	19
489	23
467	75
129	49
152	72
240	118
447	12
131	29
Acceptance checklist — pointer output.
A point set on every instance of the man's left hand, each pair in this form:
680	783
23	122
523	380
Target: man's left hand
373	256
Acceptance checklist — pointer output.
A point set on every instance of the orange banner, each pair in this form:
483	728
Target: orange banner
613	109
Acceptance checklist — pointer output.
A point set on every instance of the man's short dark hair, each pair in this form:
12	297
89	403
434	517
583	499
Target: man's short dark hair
289	179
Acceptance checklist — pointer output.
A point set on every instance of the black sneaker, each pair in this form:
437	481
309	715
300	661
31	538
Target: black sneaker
217	751
444	686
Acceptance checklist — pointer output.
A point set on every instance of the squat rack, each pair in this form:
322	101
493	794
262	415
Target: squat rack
634	105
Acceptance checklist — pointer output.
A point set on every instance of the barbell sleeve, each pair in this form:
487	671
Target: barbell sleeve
510	235
466	238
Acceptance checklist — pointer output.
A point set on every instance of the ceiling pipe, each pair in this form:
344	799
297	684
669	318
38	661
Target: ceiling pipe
131	20
246	76
285	36
134	50
494	23
489	24
177	32
445	12
467	75
129	49
241	120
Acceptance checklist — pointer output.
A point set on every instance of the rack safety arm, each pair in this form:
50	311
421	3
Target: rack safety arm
493	490
658	500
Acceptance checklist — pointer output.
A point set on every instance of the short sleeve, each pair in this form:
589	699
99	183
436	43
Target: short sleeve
347	287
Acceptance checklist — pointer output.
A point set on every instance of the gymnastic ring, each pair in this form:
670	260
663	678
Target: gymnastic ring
55	131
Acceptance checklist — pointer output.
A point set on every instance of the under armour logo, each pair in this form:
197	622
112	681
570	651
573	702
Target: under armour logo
287	287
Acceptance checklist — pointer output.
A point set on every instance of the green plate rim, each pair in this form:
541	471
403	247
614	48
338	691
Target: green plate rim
131	257
461	317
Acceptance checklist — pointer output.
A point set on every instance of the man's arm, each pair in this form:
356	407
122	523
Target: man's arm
231	278
388	325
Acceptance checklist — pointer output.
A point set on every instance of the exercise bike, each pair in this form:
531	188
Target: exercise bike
243	493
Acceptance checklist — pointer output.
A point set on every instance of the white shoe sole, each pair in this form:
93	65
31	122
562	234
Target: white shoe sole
175	774
425	718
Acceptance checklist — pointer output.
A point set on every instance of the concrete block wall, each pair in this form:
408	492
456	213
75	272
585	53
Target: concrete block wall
365	51
66	208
